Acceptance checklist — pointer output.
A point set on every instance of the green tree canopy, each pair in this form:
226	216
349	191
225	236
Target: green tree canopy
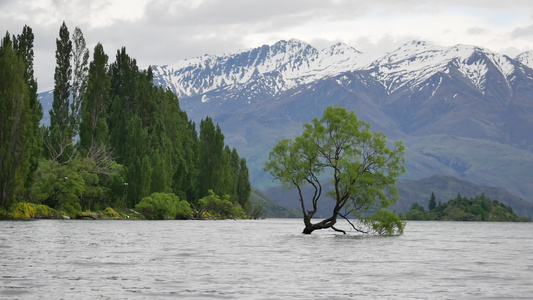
339	146
15	125
94	132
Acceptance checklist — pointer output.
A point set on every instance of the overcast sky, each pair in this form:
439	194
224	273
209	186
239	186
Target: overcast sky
163	31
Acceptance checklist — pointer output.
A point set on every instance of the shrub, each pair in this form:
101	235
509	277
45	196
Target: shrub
415	214
71	209
216	207
160	206
45	212
110	213
23	210
26	210
385	222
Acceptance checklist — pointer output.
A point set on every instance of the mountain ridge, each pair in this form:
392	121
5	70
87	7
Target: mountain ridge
298	62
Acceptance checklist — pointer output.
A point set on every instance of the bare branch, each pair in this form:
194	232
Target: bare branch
59	149
102	156
338	230
352	224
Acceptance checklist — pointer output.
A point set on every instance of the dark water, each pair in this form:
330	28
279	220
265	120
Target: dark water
267	259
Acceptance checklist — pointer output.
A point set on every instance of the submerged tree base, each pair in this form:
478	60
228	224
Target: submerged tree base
383	222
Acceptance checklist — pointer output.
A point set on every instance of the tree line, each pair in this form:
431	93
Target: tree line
479	208
114	137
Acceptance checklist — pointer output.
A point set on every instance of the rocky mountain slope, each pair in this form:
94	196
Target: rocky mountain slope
463	111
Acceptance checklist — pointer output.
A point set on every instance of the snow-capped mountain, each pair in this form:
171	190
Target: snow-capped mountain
461	110
415	62
279	67
271	70
526	58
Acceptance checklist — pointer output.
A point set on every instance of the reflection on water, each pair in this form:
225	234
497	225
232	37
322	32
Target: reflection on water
267	259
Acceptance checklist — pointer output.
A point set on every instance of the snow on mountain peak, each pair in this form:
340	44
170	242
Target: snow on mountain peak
416	61
526	58
292	62
407	51
340	49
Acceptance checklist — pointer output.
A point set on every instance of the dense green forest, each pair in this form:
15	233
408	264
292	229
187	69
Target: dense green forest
479	208
115	141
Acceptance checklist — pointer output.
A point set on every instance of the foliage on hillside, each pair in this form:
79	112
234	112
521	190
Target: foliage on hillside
447	187
479	208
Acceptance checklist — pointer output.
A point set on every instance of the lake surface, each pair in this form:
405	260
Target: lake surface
264	259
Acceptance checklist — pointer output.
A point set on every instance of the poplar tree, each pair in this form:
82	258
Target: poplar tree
80	58
59	115
210	158
123	73
94	131
244	189
23	45
15	125
59	144
432	202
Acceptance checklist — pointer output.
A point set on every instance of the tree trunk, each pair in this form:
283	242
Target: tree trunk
308	230
327	223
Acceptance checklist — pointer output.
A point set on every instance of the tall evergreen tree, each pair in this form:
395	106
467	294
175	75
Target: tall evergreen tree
80	58
15	125
136	160
23	45
432	201
59	144
244	189
94	131
59	115
123	72
210	158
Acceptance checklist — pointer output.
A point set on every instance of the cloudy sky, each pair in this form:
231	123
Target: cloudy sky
163	31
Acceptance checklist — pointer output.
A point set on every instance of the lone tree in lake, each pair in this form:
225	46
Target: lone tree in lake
362	167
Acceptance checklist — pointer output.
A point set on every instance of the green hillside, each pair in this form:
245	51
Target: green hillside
479	208
447	187
269	209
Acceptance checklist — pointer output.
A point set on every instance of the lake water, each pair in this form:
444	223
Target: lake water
264	259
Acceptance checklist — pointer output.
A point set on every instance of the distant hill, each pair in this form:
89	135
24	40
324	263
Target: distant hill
269	208
416	191
448	187
478	208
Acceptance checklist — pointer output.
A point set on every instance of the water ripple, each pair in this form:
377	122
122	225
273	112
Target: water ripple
266	259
